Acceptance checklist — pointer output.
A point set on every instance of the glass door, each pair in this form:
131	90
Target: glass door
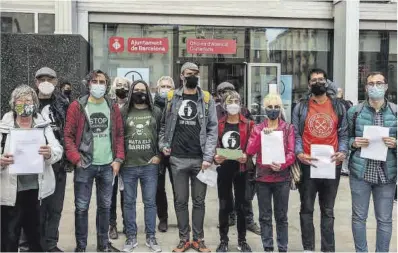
261	79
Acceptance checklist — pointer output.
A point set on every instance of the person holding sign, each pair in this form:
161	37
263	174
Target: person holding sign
371	174
273	178
22	188
320	119
233	131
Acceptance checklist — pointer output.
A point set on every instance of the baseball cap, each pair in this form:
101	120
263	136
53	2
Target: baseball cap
46	71
189	65
225	85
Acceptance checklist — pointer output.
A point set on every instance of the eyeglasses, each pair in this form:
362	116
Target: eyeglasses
271	107
232	101
377	84
321	80
98	82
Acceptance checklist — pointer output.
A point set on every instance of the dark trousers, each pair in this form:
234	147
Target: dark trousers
228	176
25	214
51	209
327	191
161	196
113	213
278	193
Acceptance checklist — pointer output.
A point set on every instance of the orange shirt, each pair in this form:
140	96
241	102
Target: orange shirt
320	126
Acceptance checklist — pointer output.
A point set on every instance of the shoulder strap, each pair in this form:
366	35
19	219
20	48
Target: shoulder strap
170	96
354	118
206	99
393	108
3	142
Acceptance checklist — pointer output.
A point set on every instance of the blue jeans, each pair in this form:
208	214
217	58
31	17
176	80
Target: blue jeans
83	179
383	200
148	176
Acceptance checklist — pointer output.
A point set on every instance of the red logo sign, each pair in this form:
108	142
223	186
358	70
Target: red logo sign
148	45
116	44
211	46
321	125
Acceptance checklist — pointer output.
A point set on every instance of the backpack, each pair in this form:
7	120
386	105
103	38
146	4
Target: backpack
393	108
206	99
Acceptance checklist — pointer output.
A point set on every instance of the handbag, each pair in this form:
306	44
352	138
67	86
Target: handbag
295	172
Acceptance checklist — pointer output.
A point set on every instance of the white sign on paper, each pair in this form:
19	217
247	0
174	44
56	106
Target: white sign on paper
134	74
208	177
376	150
24	146
325	168
272	148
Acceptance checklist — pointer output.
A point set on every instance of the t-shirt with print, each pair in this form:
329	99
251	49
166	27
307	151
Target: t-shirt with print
186	140
320	126
140	137
99	116
230	139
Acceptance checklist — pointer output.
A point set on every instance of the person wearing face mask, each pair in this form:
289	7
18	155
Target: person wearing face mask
273	180
319	119
120	88
189	136
164	85
94	143
233	132
142	125
369	176
21	195
66	89
53	106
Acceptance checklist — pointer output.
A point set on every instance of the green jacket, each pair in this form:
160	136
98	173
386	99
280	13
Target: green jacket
357	165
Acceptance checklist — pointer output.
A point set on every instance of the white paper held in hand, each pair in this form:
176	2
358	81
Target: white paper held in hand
325	168
272	148
208	176
24	146
376	150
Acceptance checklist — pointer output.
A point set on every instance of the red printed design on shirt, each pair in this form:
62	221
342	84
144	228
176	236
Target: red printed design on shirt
320	125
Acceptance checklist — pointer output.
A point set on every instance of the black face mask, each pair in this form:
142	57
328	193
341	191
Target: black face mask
273	114
67	93
139	97
121	93
192	82
318	89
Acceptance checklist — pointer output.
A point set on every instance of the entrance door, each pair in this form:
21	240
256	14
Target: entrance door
261	77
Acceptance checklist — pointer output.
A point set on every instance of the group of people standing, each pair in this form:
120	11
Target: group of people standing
131	137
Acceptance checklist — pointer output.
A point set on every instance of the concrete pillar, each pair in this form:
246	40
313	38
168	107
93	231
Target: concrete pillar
65	16
82	20
346	46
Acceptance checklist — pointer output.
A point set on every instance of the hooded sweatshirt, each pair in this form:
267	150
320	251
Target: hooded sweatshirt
142	128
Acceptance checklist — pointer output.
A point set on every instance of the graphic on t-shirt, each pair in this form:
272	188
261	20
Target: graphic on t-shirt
320	125
99	123
231	140
188	112
139	137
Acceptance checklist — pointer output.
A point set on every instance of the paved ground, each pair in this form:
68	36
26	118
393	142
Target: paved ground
344	240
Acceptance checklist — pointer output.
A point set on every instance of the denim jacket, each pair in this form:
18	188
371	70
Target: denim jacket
208	123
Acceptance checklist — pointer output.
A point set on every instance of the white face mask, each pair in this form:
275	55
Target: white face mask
46	88
233	109
163	92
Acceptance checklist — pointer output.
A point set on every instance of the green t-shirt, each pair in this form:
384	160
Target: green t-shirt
140	137
99	116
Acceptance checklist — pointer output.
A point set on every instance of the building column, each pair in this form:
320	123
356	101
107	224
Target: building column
346	46
65	16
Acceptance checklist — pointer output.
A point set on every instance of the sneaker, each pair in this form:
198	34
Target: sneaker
55	249
113	234
268	249
244	247
130	244
200	246
253	227
107	248
78	249
152	244
223	247
163	225
182	246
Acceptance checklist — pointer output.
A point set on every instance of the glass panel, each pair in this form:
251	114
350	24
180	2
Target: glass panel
260	78
17	22
392	67
46	23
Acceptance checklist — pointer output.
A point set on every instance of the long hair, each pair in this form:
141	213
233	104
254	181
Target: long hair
148	92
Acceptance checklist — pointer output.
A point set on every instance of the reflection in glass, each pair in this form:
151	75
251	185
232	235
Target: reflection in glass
46	23
17	22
